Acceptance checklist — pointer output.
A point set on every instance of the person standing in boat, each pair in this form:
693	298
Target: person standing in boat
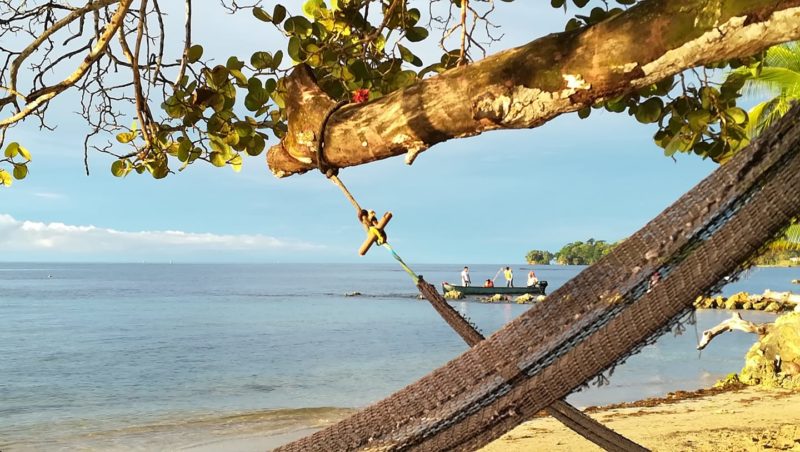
509	275
465	281
532	279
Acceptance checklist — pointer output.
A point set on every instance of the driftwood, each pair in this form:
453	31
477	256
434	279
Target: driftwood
785	297
734	323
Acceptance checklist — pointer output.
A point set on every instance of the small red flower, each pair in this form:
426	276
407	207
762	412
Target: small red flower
360	95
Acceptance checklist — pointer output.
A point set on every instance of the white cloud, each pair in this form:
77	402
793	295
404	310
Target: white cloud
57	238
48	195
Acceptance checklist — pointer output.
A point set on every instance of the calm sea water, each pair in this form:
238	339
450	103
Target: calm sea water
138	356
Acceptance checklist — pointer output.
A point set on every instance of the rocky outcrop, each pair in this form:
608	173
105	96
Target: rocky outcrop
453	295
774	360
769	301
496	298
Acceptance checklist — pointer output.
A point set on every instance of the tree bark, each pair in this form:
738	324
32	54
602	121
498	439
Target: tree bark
529	85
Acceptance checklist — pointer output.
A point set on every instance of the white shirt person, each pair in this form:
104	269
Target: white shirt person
465	281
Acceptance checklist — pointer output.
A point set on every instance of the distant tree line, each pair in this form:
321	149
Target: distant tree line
539	257
575	253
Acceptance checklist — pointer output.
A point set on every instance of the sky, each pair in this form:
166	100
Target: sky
485	199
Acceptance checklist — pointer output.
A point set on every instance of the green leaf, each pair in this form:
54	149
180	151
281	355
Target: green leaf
126	137
294	48
217	159
217	76
278	14
650	110
5	178
174	107
311	8
261	60
580	3
24	153
359	69
234	63
20	171
255	99
256	145
416	34
403	79
276	59
261	15
298	26
236	163
698	119
12	149
195	53
243	128
682	141
738	115
118	168
408	56
241	80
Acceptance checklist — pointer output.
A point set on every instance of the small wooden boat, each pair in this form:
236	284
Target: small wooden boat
537	289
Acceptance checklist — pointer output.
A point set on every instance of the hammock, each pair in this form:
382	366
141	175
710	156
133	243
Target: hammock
596	320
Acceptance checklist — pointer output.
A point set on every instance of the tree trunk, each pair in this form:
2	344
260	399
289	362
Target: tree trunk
527	86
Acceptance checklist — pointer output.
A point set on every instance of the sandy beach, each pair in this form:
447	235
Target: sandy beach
750	419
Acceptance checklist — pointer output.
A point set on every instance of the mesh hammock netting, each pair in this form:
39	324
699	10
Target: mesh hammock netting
596	320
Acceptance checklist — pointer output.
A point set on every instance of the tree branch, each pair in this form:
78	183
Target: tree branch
42	96
733	323
530	85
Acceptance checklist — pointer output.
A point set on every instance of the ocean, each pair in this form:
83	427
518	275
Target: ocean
183	356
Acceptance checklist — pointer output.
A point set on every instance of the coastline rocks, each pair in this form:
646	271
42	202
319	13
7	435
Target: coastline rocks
453	295
769	301
774	361
524	298
496	298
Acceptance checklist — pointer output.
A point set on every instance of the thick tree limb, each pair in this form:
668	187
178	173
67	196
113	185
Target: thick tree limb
529	85
733	323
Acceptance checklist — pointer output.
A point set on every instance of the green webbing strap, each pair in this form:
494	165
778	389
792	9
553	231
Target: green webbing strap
403	264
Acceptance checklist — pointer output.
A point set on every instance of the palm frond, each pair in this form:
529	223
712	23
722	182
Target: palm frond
785	55
764	114
772	81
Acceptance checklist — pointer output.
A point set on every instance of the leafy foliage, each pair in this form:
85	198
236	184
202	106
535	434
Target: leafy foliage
539	257
220	113
777	76
583	253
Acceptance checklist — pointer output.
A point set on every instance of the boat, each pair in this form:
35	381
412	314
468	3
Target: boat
536	289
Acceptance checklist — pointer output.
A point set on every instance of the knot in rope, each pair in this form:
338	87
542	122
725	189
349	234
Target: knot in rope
324	167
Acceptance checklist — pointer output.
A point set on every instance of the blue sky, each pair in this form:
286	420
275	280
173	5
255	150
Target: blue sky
486	199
